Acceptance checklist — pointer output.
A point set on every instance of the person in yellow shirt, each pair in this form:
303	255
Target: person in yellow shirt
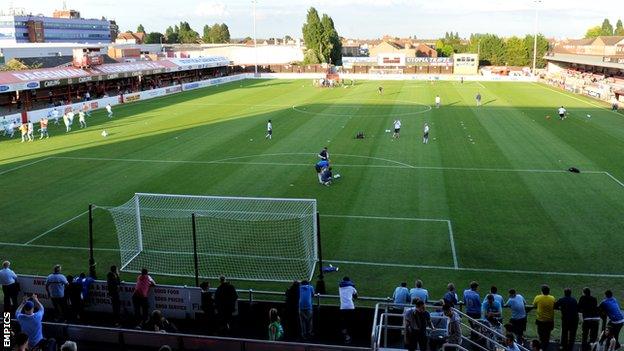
545	319
24	129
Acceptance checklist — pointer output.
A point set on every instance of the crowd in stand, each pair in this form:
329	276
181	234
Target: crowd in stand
69	294
488	311
599	85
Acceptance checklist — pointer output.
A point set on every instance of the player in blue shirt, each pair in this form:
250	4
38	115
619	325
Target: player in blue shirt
518	319
611	308
473	301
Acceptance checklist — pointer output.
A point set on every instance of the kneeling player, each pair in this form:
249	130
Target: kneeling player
320	166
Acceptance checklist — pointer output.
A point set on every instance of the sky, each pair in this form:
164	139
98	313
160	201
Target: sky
353	18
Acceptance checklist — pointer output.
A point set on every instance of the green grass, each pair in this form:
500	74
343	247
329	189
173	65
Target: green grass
496	173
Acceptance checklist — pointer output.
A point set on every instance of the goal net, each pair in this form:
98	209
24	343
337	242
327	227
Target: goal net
241	238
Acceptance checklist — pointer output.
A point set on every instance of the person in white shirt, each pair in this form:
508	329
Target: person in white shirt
347	293
109	109
31	131
11	129
66	122
10	288
55	116
81	119
397	129
438	101
269	130
562	113
70	117
426	134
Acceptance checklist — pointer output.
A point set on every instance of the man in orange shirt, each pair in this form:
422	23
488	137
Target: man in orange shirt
43	125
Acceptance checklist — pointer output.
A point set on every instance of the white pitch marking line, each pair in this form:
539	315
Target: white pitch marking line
399	164
598	275
614	178
58	226
388	218
481	85
25	165
452	239
56	247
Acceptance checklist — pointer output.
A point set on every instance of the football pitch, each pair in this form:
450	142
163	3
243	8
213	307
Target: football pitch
489	198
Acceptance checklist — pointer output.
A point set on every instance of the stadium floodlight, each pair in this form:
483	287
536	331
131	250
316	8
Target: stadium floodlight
208	236
255	2
537	3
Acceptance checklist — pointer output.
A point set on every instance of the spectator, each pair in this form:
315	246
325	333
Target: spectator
21	342
73	292
545	319
55	287
113	284
473	301
415	323
85	287
306	292
450	297
492	310
569	319
158	323
140	296
454	325
588	307
347	292
610	307
10	287
30	321
510	343
207	305
518	320
69	346
494	292
401	294
225	301
292	311
419	292
276	331
607	341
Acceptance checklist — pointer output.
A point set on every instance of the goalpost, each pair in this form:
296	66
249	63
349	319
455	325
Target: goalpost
208	236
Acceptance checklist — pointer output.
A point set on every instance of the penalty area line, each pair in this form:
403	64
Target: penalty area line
24	165
56	227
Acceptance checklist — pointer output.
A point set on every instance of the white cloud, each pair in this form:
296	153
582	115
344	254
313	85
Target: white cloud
211	10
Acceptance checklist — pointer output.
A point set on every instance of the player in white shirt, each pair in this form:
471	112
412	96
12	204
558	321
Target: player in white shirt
397	129
426	134
438	101
55	116
31	131
11	129
66	122
269	130
109	109
70	117
562	113
81	119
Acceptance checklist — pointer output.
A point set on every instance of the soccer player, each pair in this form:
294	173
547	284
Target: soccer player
320	166
81	119
327	176
85	109
478	98
109	109
11	129
24	130
269	130
426	134
43	125
324	154
70	117
31	130
562	113
66	122
380	90
397	129
438	101
55	116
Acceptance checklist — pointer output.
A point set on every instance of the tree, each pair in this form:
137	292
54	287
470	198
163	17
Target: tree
310	57
444	49
607	28
542	49
288	38
593	32
312	33
619	28
225	33
154	38
140	29
332	47
492	50
16	65
516	52
186	34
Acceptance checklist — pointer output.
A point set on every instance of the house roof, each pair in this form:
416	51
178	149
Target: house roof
139	37
611	40
55	61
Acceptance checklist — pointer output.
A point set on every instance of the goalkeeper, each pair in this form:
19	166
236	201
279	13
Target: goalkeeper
327	176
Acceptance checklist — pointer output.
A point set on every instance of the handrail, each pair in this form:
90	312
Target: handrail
455	346
476	321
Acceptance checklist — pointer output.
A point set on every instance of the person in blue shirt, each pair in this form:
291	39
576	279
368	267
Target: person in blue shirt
492	310
320	166
306	293
401	294
473	301
518	320
497	297
450	297
419	292
327	176
55	287
611	308
10	288
30	321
